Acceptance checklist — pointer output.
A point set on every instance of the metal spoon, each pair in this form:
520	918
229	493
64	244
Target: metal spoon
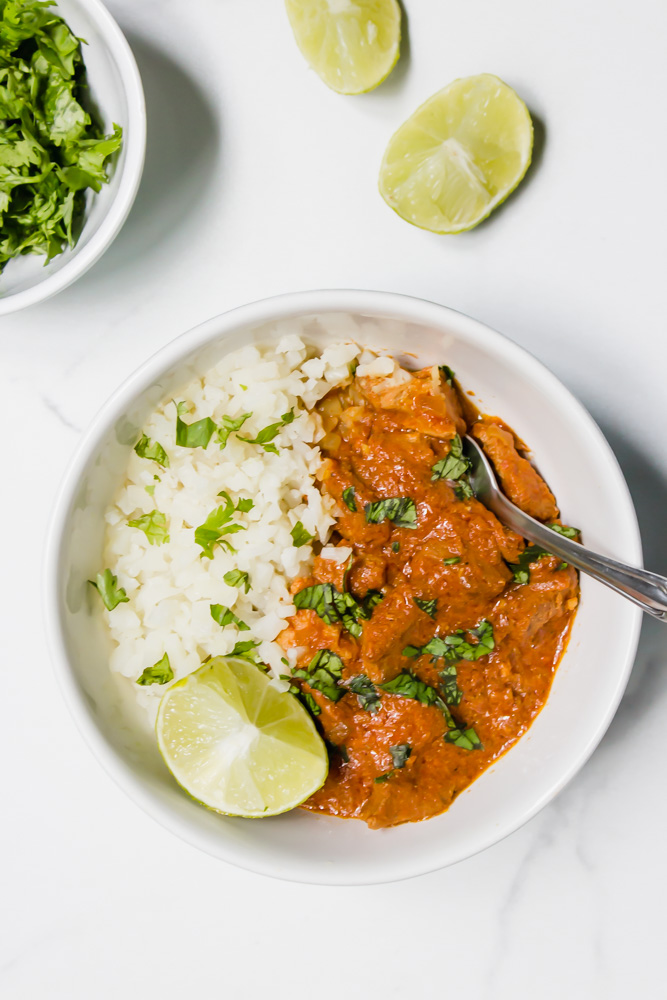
648	590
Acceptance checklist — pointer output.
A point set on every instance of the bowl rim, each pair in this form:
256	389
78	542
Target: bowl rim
134	141
394	305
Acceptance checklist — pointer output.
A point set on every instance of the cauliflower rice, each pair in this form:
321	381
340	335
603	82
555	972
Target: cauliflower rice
171	586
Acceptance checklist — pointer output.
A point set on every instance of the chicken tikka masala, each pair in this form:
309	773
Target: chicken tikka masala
429	648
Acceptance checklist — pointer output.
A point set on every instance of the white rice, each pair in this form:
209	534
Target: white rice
170	586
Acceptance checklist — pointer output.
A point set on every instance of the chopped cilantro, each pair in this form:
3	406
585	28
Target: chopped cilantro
243	648
159	673
454	465
300	536
401	510
153	525
447	374
153	450
216	526
107	587
237	578
225	616
230	424
565	530
267	434
196	435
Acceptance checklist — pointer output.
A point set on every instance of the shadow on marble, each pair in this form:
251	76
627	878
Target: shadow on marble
648	682
181	157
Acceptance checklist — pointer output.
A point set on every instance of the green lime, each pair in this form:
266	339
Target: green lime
458	156
236	743
352	44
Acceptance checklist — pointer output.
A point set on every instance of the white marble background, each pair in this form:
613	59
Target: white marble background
259	180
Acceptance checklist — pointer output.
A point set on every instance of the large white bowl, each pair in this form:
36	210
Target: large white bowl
116	91
575	459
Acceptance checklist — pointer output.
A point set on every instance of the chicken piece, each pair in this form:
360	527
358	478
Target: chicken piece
520	481
425	403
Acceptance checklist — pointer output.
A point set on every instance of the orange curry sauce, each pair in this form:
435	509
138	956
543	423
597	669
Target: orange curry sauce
384	437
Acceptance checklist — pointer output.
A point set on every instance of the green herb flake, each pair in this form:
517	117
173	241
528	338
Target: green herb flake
332	606
323	673
451	691
237	578
400	754
153	525
466	739
106	584
216	526
196	435
229	425
410	686
565	530
266	436
447	374
244	504
428	607
454	465
300	536
395	546
381	778
159	673
150	489
464	490
153	450
455	647
225	616
243	648
307	700
349	500
367	694
401	510
451	561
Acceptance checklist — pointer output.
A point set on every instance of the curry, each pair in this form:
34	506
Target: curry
429	647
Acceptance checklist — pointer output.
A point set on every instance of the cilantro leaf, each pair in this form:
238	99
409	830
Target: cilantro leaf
267	434
429	607
196	435
153	525
300	536
447	374
563	529
401	510
243	505
454	465
244	648
225	616
349	500
153	450
106	584
400	754
159	673
230	424
367	694
216	526
237	578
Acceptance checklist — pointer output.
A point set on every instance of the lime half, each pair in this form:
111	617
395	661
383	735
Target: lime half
236	743
459	155
352	44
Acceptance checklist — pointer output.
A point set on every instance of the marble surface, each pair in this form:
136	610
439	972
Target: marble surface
259	180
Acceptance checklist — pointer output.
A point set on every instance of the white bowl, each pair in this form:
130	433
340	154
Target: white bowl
115	88
576	461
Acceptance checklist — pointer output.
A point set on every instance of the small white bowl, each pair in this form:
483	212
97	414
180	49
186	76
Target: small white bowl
576	461
115	88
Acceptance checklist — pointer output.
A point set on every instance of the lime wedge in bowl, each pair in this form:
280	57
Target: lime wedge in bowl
237	744
458	156
352	44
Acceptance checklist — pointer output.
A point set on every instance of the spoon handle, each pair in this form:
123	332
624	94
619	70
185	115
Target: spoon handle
648	590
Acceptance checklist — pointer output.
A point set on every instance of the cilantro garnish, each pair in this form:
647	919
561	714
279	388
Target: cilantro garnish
300	536
225	616
565	530
51	148
216	526
153	525
243	648
237	578
230	424
153	450
159	673
267	434
401	510
196	435
447	374
454	465
106	584
348	498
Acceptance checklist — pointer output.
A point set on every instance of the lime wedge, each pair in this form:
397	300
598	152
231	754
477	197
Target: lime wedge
238	745
352	44
459	155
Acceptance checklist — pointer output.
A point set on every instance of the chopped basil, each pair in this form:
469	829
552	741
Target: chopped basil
463	490
409	686
225	616
564	530
401	510
106	584
451	561
307	700
454	465
338	748
382	777
323	673
369	602
300	536
521	568
331	606
230	424
237	578
447	374
159	673
467	739
400	754
196	435
455	647
429	607
451	691
367	694
348	498
267	434
153	525
153	450
395	546
243	648
212	532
